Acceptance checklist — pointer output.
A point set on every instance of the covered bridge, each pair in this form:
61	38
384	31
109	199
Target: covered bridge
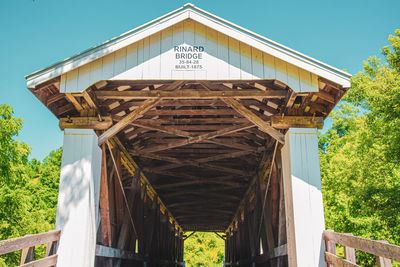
189	123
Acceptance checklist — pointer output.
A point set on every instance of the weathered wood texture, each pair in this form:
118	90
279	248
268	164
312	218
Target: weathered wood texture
384	251
27	245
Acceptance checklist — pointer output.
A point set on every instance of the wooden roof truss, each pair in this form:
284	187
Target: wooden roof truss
199	143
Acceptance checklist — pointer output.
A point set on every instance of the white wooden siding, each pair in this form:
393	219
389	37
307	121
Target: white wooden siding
303	198
153	58
78	198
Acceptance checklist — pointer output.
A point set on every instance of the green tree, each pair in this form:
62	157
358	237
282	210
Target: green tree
204	249
28	190
360	154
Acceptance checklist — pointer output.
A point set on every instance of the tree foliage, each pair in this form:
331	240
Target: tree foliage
204	249
360	154
28	189
359	157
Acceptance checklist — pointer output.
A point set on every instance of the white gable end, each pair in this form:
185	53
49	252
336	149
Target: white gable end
157	51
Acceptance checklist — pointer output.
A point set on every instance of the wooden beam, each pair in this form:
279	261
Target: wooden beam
232	144
127	119
89	100
164	129
337	261
109	252
374	247
261	124
286	122
11	245
217	196
190	94
200	209
326	96
180	162
192	121
192	112
200	182
197	139
85	123
131	166
74	102
205	202
291	98
104	200
48	261
54	98
224	156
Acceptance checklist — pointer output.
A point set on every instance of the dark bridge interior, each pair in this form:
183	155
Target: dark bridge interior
190	156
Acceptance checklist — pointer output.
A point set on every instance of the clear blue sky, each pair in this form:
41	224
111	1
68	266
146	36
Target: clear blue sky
36	34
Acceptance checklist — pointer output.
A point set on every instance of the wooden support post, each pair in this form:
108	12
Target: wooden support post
104	203
350	253
303	198
27	255
266	219
381	261
78	198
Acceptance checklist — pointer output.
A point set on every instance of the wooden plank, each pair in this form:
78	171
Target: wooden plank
191	112
291	99
371	246
27	255
326	96
127	119
45	262
103	251
338	262
286	122
54	98
200	182
64	109
164	129
278	252
131	166
119	194
11	245
381	261
266	220
104	201
197	139
261	124
177	121
74	102
190	94
350	253
85	123
89	100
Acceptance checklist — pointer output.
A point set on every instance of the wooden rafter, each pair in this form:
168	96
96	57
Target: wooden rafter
197	139
261	124
127	119
230	184
189	94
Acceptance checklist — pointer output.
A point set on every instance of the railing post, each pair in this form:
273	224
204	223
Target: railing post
350	253
27	255
330	247
381	261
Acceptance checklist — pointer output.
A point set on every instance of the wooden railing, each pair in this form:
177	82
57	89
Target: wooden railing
27	245
383	251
